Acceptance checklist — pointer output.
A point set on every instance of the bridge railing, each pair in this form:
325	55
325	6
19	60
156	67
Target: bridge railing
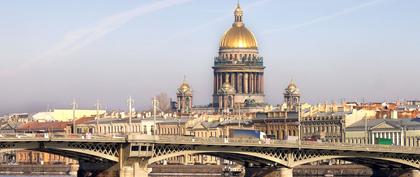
200	140
60	136
286	143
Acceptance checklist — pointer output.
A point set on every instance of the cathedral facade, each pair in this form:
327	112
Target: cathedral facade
238	69
238	77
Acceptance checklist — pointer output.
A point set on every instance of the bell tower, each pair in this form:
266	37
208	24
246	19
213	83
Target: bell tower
292	97
184	98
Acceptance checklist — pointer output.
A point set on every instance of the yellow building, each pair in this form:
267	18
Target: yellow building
403	132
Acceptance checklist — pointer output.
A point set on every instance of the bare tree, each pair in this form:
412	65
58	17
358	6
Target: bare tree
163	101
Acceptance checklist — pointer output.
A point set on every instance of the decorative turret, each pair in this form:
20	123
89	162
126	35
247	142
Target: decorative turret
292	97
226	97
184	98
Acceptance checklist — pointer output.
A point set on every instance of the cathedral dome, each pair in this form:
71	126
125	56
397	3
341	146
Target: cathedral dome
238	36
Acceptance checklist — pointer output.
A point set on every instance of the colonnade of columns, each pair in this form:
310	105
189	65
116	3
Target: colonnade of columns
397	138
226	101
184	103
242	82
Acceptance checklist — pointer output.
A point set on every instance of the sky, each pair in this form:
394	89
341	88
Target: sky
52	52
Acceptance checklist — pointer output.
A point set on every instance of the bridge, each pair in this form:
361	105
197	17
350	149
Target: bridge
130	155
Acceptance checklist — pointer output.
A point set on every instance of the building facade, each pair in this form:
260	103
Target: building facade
278	125
403	132
238	66
330	126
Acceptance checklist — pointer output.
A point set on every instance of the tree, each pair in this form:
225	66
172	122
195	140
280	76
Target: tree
163	102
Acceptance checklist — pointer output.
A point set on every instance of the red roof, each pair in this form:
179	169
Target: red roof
42	126
50	126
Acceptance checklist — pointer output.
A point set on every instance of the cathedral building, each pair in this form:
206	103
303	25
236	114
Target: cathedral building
238	69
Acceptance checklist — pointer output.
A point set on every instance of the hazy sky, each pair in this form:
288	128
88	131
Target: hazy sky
54	51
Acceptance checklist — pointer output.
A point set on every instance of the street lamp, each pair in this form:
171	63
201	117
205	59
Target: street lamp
74	104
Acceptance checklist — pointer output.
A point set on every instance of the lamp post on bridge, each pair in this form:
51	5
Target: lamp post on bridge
74	104
299	125
155	104
98	106
130	102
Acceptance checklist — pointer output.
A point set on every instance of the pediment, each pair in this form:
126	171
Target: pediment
198	126
383	125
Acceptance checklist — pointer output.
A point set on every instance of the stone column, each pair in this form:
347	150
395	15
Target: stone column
225	98
250	83
216	79
262	83
255	83
179	103
220	81
373	138
217	82
245	83
214	82
240	83
286	172
233	76
134	168
258	82
227	76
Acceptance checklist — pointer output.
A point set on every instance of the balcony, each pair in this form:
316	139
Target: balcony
254	61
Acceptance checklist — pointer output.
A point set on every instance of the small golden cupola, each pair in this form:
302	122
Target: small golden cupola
292	88
184	87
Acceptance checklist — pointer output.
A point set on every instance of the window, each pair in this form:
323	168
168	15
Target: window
135	148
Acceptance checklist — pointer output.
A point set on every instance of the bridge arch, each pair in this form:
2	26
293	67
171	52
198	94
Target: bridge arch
80	150
403	161
219	153
283	157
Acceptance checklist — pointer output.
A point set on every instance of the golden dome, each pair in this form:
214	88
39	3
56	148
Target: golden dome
184	87
238	36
